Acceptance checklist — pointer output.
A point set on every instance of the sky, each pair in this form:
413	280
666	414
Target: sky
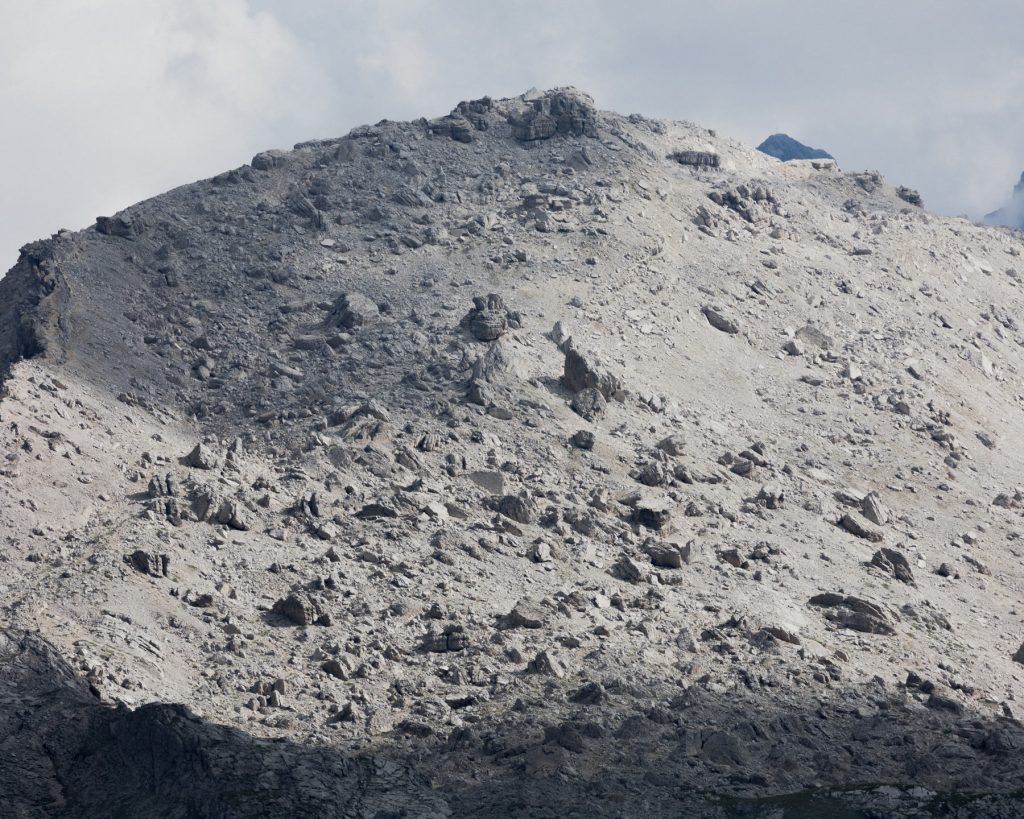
107	102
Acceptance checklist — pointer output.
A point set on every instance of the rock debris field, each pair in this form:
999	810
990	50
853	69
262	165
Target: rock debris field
530	461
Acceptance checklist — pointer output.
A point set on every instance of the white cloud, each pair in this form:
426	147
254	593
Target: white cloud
109	101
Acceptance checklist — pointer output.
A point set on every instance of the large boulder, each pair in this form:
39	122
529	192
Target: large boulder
351	311
589	404
302	609
521	508
585	370
202	457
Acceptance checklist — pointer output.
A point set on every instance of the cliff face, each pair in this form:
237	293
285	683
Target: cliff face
34	300
533	460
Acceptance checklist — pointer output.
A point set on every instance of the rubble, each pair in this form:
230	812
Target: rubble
491	457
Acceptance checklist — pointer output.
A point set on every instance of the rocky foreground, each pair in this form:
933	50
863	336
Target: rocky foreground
530	461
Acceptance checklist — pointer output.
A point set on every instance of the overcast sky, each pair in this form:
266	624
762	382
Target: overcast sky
106	102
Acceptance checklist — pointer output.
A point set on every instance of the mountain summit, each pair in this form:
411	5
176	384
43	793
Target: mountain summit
784	147
1013	214
533	460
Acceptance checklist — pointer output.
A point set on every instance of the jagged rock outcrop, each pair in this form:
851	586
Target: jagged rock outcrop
34	315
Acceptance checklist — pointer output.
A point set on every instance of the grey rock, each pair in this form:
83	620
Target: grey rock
540	551
583	439
590	693
562	112
125	225
521	508
873	509
854	613
717	319
452	638
151	563
814	337
489	319
527	614
630	570
670	555
696	159
351	311
894	563
490	481
589	404
202	457
233	514
674	445
794	347
267	160
782	633
910	196
547	663
561	335
584	370
102	762
653	513
335	669
302	609
771	496
859	527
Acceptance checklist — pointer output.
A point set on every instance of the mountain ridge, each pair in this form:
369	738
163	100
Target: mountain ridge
550	458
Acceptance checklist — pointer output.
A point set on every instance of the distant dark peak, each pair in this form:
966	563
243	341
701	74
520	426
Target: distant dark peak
784	147
1013	214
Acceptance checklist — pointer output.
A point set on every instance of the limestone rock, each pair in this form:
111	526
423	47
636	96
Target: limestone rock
854	613
151	563
351	311
857	526
302	609
520	508
894	563
719	320
489	318
589	403
202	457
583	371
527	614
563	112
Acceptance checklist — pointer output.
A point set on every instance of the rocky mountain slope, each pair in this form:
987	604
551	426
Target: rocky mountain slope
784	147
529	461
1012	215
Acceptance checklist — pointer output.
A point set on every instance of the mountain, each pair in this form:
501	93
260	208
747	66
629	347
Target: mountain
1013	214
784	147
533	460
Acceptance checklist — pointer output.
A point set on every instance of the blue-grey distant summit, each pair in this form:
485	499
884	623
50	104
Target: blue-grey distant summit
784	147
1013	214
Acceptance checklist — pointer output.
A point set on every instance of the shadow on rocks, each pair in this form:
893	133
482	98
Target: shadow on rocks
65	754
